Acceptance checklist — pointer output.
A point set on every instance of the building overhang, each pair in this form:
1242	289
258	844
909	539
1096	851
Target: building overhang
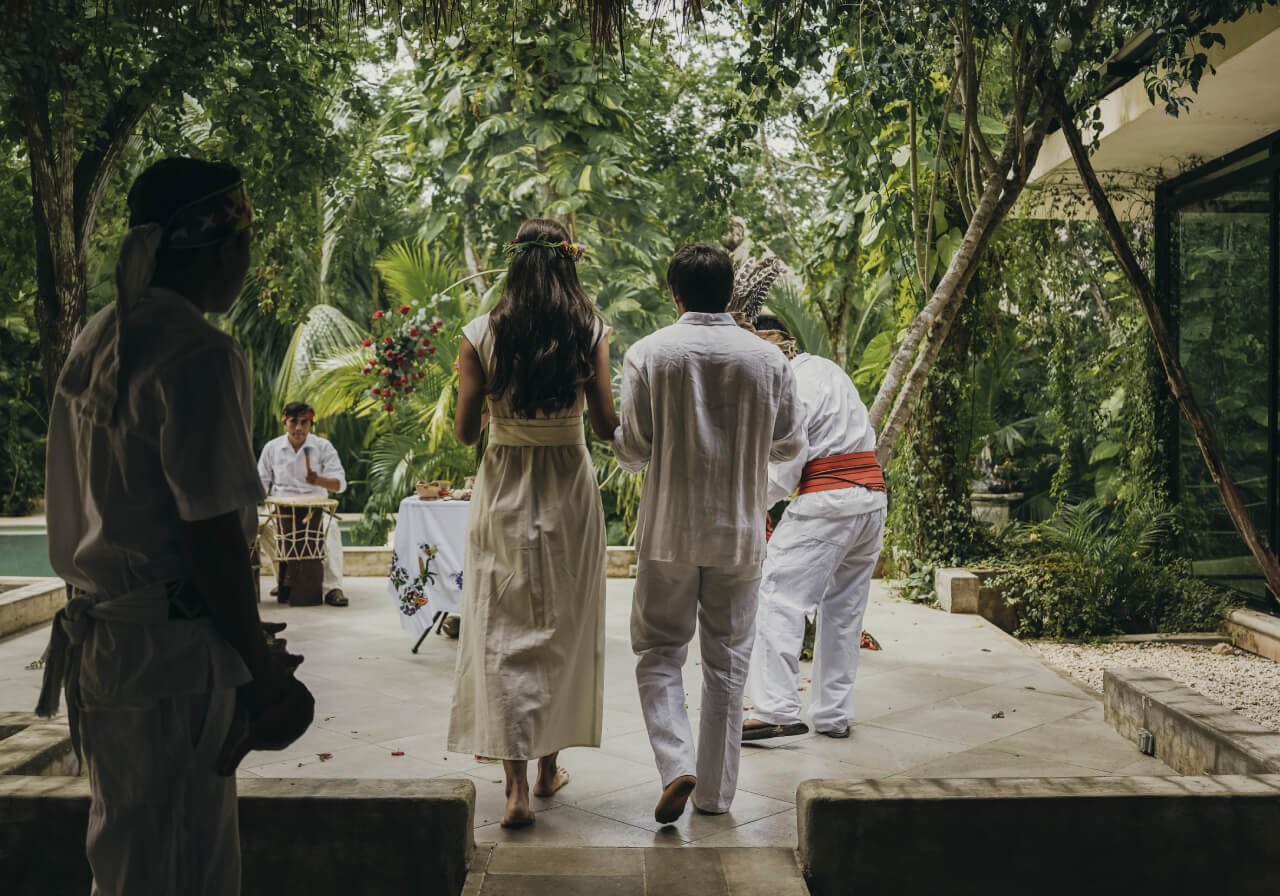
1141	145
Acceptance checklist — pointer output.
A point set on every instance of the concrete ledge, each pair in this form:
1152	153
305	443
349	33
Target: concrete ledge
1193	734
1046	836
376	562
367	562
29	602
621	563
30	745
961	590
1255	632
312	837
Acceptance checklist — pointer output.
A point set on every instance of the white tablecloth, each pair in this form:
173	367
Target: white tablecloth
426	561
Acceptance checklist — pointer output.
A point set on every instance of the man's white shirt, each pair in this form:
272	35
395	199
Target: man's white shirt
705	405
836	422
283	470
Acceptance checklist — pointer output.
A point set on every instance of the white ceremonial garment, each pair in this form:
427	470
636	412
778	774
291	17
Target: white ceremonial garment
705	405
283	472
118	492
820	559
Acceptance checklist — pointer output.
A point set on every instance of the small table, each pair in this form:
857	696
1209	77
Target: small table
426	562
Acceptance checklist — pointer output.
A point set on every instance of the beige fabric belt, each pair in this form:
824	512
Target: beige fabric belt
515	432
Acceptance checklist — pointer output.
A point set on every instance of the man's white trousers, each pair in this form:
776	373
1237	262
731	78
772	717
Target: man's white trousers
161	821
819	564
671	600
332	558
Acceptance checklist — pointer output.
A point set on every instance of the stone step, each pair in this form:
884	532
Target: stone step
28	602
505	870
1255	632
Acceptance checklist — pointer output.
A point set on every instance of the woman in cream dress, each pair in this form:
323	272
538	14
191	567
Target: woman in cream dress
529	679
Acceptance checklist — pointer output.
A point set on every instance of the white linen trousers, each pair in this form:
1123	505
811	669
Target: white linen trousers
822	564
671	600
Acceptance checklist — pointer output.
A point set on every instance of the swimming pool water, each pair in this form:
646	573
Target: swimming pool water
24	552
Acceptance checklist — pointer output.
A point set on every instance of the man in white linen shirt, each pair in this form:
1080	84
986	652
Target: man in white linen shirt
149	486
821	556
302	463
706	406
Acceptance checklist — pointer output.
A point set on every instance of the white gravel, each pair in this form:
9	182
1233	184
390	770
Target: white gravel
1244	682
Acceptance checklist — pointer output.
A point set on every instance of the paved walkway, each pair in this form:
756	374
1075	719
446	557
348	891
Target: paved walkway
949	696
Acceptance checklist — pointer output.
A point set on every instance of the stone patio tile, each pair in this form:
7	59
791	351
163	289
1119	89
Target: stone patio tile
986	762
1023	704
899	690
315	740
475	871
528	885
567	861
1080	741
762	871
380	721
595	773
775	830
684	871
632	746
491	797
358	760
570	826
1146	765
777	775
870	747
945	721
430	746
634	806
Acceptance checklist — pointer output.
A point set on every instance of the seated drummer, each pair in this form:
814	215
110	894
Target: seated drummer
301	463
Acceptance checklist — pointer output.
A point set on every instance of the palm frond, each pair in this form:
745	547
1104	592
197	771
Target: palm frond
809	332
414	274
326	333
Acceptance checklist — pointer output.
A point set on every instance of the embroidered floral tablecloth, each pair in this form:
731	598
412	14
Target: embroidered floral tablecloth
429	548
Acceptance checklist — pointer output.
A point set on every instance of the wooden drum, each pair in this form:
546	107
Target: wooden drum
301	524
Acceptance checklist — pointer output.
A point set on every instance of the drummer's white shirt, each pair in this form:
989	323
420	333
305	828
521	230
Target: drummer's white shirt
117	495
283	470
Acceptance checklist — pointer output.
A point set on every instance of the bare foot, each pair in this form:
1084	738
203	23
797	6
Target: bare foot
549	784
671	804
518	814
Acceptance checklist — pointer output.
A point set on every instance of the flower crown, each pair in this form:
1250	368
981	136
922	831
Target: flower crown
571	251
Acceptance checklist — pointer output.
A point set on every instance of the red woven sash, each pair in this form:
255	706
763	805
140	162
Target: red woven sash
842	471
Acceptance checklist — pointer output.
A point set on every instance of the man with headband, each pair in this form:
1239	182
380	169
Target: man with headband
821	556
149	489
301	463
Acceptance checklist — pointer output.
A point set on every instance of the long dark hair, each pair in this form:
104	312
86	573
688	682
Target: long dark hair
543	327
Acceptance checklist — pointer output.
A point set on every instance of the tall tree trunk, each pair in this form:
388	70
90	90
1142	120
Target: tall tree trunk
61	258
1206	438
914	358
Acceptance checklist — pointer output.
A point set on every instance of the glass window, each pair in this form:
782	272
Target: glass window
1222	290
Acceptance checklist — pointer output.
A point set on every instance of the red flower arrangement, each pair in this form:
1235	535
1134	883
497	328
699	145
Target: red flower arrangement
398	354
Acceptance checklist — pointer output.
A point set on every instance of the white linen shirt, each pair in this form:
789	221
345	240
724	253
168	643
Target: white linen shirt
118	494
283	470
836	422
706	406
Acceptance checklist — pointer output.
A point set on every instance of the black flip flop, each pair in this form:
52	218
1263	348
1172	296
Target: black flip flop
769	731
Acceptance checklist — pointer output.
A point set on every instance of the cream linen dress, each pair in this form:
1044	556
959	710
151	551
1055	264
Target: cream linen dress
529	679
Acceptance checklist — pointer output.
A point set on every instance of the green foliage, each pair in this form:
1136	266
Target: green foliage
1090	570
